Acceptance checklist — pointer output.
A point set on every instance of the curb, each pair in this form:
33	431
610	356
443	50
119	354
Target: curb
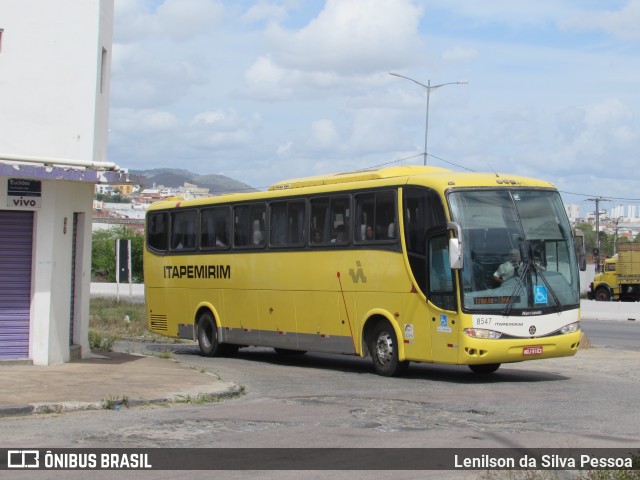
63	407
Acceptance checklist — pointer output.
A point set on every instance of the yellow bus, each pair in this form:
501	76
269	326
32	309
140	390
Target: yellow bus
402	264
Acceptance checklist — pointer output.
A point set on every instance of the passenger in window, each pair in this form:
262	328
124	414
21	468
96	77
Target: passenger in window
317	236
368	233
340	236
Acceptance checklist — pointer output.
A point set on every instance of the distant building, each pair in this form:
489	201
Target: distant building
113	189
573	212
190	191
617	212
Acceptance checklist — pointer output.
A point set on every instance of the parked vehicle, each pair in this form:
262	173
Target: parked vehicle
619	277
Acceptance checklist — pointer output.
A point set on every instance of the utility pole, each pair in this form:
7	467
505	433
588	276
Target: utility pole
597	200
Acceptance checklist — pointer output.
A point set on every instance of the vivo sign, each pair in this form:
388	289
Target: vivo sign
24	194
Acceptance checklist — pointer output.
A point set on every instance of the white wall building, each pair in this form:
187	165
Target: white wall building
573	211
616	212
632	212
54	97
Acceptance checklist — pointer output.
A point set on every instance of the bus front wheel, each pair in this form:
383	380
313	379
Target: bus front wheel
384	351
208	336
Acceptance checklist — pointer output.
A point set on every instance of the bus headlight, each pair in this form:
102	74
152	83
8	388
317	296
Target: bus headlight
571	328
482	333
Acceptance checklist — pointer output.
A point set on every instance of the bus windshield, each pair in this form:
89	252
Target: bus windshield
518	251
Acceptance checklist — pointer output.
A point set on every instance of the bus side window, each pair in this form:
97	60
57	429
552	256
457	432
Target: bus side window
330	220
287	223
214	228
183	229
375	216
249	225
157	230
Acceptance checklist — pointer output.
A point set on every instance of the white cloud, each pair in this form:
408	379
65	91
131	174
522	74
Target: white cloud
178	20
324	135
596	131
460	54
136	122
622	23
266	80
220	129
514	14
143	79
264	11
350	36
284	149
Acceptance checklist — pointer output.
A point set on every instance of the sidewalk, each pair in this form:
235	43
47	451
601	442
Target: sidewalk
110	380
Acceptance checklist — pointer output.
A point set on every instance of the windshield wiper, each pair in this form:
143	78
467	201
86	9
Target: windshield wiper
529	264
516	290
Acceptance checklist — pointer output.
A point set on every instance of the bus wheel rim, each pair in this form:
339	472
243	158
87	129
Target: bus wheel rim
384	348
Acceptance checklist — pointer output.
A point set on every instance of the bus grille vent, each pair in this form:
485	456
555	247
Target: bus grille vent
158	322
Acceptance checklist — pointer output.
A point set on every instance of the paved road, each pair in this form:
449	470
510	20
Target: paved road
621	334
124	291
330	400
316	400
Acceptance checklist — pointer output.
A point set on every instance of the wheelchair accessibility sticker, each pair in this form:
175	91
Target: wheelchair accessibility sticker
540	294
444	324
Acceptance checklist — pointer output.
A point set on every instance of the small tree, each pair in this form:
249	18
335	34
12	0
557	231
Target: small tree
103	253
589	236
606	244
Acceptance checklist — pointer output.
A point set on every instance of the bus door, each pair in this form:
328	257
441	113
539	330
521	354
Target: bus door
441	297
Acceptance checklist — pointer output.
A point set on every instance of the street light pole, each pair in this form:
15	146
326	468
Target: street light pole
429	87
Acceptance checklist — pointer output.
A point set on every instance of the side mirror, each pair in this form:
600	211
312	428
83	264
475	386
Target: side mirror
455	253
455	246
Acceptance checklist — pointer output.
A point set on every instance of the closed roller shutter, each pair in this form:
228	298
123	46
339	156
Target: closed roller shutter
16	238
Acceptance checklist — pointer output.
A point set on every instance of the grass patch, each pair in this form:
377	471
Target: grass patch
196	400
101	341
114	403
110	321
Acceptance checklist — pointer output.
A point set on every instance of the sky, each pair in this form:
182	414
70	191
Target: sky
262	91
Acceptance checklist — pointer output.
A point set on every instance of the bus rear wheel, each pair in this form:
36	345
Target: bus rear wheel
484	369
208	337
384	351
